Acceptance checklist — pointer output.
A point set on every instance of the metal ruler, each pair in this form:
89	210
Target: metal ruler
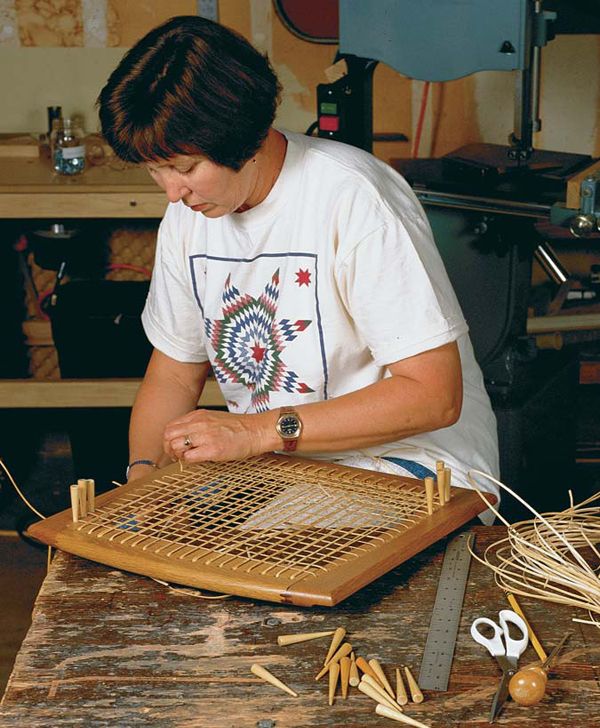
445	618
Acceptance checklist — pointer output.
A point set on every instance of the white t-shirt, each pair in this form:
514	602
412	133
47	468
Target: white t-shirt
313	292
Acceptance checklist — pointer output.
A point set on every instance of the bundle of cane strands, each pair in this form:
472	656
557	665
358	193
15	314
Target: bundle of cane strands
552	557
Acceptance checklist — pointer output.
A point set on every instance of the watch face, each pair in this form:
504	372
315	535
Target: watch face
289	426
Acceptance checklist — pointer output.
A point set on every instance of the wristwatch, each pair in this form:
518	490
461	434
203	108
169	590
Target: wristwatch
289	427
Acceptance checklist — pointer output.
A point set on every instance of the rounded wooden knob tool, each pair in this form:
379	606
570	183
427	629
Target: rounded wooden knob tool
292	639
415	691
528	686
378	670
265	675
386	712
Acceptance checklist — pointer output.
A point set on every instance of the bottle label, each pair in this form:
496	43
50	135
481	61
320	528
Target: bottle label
73	152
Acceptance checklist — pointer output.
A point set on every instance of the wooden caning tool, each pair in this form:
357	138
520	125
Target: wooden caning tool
386	712
334	673
265	675
429	491
385	698
378	670
292	639
345	663
336	641
344	650
379	696
366	669
415	691
401	696
354	676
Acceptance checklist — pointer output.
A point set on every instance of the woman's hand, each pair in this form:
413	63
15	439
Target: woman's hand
215	435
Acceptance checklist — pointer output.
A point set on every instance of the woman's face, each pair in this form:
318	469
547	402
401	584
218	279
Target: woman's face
205	186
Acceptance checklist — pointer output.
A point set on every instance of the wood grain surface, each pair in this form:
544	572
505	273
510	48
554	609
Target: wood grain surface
107	648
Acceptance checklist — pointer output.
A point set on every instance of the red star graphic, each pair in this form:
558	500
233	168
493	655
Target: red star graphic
258	352
303	277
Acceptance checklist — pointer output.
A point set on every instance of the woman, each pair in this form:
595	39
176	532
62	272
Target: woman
303	271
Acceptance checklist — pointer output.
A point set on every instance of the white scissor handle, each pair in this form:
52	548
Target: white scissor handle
493	644
514	647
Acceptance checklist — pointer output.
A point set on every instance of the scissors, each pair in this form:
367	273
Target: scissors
504	648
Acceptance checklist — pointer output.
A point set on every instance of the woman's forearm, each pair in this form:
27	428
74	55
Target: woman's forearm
169	389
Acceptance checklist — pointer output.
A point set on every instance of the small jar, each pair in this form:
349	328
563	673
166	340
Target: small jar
68	153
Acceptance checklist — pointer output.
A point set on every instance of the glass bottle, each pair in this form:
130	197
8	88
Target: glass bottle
69	150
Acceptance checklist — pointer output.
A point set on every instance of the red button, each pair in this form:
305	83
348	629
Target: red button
329	123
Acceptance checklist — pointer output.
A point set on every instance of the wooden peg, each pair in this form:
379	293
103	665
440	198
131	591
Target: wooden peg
74	491
384	696
292	639
344	650
386	712
345	663
401	696
354	676
429	489
366	669
90	484
378	670
441	486
334	673
265	675
336	641
439	465
82	495
447	479
415	691
379	696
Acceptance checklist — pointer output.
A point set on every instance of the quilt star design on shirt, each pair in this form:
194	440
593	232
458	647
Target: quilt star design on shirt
248	343
303	277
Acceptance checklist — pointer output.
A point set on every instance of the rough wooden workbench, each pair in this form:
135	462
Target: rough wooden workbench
108	648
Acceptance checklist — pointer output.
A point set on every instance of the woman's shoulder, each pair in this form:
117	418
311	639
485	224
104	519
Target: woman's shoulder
355	174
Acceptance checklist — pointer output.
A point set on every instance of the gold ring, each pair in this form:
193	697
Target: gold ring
188	441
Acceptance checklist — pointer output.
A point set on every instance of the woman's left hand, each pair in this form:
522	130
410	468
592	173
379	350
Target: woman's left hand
214	435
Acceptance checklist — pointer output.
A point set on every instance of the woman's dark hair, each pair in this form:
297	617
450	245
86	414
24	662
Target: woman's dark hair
189	87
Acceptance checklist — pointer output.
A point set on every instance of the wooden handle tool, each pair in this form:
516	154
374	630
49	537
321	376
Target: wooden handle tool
292	639
265	675
528	686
